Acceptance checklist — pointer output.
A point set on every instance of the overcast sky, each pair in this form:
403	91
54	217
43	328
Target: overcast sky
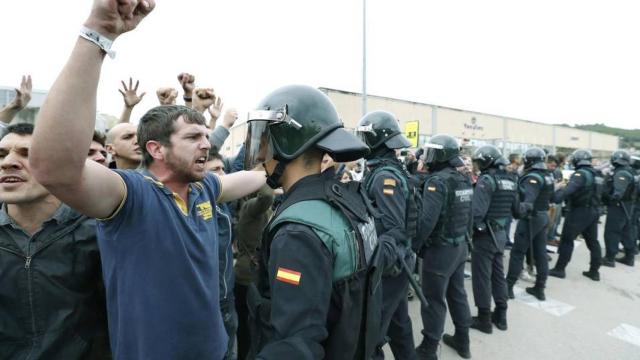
560	61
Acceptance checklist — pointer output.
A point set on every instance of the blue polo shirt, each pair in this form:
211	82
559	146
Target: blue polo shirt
161	271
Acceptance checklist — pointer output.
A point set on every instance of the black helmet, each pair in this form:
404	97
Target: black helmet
534	158
502	161
442	149
621	158
290	121
581	157
379	128
487	156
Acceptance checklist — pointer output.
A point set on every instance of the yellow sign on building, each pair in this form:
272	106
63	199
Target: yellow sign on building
411	130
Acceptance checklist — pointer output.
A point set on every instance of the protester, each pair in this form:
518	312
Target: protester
52	303
19	102
157	233
97	151
131	99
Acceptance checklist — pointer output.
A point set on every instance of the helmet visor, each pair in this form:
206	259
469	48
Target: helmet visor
431	152
258	148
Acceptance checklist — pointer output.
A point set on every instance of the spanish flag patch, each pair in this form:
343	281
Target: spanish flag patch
431	188
387	191
389	182
288	276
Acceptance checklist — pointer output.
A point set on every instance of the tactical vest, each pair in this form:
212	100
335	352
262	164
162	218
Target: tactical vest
546	180
590	194
505	191
341	217
455	218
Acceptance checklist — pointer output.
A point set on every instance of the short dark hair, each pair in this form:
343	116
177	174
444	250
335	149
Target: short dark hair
99	137
158	124
214	154
552	158
18	129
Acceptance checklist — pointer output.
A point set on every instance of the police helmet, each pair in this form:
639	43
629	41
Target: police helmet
381	128
534	158
487	156
621	158
442	149
294	119
581	157
635	161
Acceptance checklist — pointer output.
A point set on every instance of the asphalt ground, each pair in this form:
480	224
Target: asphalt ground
581	319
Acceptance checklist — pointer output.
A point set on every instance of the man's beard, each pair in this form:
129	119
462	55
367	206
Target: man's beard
181	168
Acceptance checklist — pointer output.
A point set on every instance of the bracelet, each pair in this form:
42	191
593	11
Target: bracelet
95	37
187	98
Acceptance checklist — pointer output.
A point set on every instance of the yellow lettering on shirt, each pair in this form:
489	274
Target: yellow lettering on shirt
205	211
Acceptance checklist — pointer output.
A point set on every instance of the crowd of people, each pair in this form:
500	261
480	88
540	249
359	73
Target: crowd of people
147	243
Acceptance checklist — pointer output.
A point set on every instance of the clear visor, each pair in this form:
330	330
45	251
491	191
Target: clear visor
257	148
363	131
430	151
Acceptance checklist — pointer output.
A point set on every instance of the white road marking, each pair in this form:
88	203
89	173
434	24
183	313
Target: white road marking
626	332
551	306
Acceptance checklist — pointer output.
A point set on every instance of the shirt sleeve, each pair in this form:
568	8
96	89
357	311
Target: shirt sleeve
530	189
133	182
481	199
433	197
218	135
389	198
300	269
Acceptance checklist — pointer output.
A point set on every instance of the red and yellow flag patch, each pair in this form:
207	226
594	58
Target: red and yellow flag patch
288	276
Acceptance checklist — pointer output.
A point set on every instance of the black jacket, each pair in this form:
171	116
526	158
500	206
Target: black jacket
52	303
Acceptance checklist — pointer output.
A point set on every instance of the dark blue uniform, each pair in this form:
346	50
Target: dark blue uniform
447	196
494	203
582	195
618	228
384	188
536	190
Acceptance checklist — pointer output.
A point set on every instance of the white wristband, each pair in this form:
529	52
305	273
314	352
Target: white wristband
102	41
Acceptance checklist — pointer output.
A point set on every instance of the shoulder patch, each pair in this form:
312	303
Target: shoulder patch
431	188
578	174
390	182
533	181
387	191
622	178
288	276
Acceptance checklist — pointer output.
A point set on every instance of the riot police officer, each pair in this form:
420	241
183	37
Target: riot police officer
387	186
495	201
535	189
446	223
619	197
316	286
583	196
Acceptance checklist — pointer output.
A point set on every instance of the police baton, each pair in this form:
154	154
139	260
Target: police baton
626	212
492	234
414	284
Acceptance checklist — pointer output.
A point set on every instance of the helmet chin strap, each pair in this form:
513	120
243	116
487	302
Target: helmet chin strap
273	180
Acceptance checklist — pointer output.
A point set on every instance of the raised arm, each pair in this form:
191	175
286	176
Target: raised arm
131	99
65	125
23	96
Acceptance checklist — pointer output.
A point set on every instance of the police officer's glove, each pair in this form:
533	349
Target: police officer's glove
526	209
390	252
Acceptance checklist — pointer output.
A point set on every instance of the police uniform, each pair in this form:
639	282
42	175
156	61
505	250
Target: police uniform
535	190
387	190
620	205
317	293
447	196
494	203
582	196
